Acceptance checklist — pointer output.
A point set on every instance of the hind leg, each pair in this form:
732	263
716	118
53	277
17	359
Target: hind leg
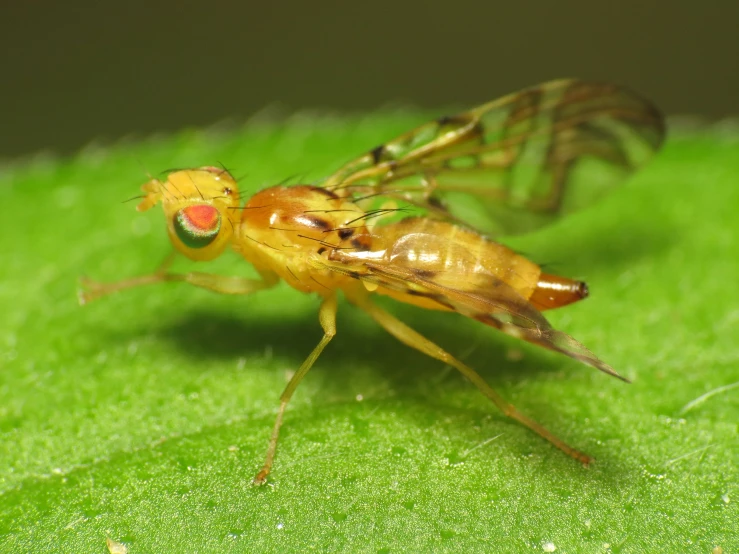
415	340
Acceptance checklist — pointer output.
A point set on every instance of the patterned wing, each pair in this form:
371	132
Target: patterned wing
497	305
516	163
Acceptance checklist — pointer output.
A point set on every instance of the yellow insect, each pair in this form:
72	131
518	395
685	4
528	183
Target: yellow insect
508	166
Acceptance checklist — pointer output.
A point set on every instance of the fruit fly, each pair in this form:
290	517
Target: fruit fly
505	167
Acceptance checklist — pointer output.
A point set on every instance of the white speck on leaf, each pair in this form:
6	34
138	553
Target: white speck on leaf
115	547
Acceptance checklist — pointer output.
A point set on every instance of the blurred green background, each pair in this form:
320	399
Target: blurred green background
75	72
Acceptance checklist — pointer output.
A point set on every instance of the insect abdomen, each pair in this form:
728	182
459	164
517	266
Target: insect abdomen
454	257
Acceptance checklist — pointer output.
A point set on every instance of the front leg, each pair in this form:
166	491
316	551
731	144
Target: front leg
92	290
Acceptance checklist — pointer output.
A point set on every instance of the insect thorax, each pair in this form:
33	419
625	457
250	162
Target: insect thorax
283	227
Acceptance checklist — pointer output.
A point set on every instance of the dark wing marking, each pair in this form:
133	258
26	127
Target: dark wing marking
516	163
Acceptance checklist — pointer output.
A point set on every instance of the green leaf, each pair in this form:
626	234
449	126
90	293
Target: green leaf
144	416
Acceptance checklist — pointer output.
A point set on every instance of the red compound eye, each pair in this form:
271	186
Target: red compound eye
197	226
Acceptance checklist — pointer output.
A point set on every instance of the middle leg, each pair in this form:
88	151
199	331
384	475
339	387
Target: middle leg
327	317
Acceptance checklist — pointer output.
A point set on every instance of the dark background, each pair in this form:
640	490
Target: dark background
73	72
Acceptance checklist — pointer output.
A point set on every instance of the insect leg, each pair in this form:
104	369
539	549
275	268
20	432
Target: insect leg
327	317
415	340
93	290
